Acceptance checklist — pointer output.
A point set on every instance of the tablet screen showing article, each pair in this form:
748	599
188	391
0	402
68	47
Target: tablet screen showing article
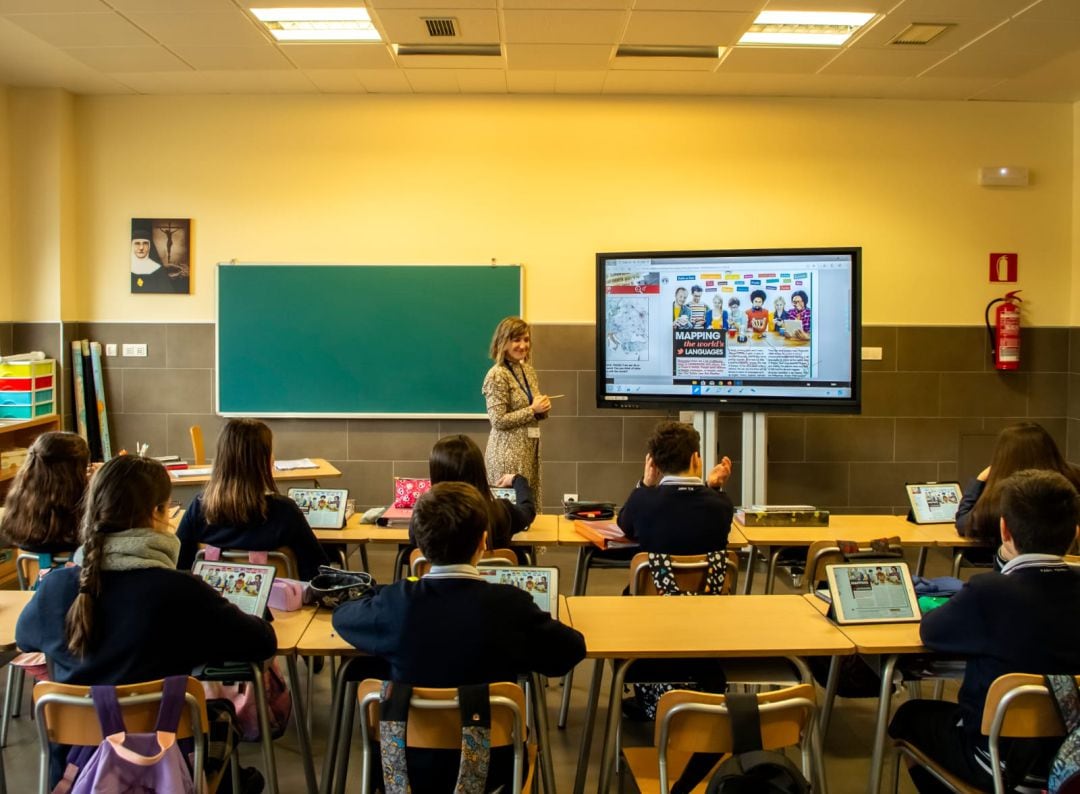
934	502
540	583
872	592
244	584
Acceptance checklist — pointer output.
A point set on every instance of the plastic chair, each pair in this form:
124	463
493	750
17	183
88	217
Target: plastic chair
283	559
65	715
434	723
1018	706
695	722
419	564
198	449
27	566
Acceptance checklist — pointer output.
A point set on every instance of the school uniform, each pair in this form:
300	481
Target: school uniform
150	623
681	515
285	526
451	628
1017	621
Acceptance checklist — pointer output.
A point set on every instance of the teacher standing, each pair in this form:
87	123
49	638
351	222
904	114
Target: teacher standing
515	407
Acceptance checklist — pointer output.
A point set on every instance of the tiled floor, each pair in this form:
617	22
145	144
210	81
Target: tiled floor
847	748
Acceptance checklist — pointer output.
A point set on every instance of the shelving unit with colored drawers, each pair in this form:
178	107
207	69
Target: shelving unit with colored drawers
27	389
18	434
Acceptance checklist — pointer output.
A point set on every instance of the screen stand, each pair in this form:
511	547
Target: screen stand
755	436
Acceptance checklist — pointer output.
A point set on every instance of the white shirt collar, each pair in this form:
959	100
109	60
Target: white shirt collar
674	479
1031	561
459	571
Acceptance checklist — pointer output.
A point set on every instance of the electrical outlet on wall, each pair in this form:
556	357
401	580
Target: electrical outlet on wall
135	350
110	350
569	497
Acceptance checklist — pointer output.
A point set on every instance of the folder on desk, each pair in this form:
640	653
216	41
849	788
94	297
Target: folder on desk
603	534
395	517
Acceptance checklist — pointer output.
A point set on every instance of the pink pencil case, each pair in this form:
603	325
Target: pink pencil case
287	595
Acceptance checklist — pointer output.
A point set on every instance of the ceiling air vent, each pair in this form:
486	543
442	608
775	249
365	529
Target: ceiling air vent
441	27
919	34
665	51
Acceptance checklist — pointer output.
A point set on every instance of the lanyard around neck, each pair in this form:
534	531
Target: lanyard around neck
523	381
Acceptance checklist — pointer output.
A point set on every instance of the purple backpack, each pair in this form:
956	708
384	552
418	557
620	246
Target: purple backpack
136	763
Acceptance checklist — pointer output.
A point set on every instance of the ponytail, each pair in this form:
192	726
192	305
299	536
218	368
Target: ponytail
79	623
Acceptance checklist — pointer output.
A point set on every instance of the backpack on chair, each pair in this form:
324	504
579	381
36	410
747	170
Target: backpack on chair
751	769
1065	769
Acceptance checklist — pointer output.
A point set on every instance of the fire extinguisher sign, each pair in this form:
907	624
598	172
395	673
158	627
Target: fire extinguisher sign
1003	267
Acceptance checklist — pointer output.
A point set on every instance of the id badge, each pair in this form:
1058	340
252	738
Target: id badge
534	432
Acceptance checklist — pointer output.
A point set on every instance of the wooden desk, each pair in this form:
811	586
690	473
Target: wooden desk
11	606
324	470
653	627
544	531
859	528
890	640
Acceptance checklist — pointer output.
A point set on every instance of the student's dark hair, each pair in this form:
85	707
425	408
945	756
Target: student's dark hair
242	475
457	458
448	522
680	289
508	328
800	294
123	494
758	293
1026	445
1041	509
696	288
734	302
672	445
44	506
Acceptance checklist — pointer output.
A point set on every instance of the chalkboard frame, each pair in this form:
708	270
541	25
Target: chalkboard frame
478	322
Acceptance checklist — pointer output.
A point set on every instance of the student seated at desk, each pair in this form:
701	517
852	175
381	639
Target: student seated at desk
124	614
241	507
457	459
674	511
1021	620
44	505
451	628
1026	445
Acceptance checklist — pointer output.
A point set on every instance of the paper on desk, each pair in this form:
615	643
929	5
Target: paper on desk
197	471
290	465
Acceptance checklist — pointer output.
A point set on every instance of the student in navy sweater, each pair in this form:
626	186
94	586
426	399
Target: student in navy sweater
125	614
673	510
241	507
1021	620
451	628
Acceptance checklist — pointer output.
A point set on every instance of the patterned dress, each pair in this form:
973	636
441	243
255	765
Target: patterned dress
509	448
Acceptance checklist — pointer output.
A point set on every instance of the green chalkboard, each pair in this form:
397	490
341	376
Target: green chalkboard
358	340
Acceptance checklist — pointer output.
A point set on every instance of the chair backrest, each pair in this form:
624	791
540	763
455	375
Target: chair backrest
1024	707
65	715
435	722
283	559
198	449
690	571
691	722
29	563
419	565
827	552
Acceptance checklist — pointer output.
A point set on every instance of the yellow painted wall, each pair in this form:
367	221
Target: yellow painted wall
1075	302
549	181
5	211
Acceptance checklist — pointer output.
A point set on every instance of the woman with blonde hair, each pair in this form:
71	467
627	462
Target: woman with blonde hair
515	406
241	507
44	506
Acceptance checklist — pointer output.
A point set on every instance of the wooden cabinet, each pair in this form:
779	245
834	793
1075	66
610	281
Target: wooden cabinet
14	434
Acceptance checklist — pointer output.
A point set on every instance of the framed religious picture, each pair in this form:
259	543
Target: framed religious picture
161	255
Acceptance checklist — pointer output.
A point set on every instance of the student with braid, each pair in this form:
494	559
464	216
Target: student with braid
44	505
124	614
241	507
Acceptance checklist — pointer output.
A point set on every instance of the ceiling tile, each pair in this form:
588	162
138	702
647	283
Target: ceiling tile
26	60
686	28
406	26
82	30
564	27
383	81
168	6
747	6
229	29
154	58
775	60
558	56
339	56
481	81
625	82
432	81
442	5
944	87
895	62
875	6
993	9
579	82
1012	49
1053	9
656	64
435	62
966	30
571	5
335	81
223	82
1056	81
231	58
49	6
531	82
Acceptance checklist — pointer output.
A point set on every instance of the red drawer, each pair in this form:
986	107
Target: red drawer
25	384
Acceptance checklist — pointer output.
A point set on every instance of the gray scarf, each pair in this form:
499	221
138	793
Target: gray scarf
133	549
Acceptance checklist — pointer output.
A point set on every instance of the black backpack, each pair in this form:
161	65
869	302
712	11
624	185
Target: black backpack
752	770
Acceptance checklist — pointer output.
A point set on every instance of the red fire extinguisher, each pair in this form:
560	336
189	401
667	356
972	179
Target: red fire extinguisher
1005	333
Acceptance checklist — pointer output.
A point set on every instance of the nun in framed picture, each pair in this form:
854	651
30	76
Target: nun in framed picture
148	273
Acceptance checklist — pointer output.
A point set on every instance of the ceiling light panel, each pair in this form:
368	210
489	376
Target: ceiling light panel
318	24
804	28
